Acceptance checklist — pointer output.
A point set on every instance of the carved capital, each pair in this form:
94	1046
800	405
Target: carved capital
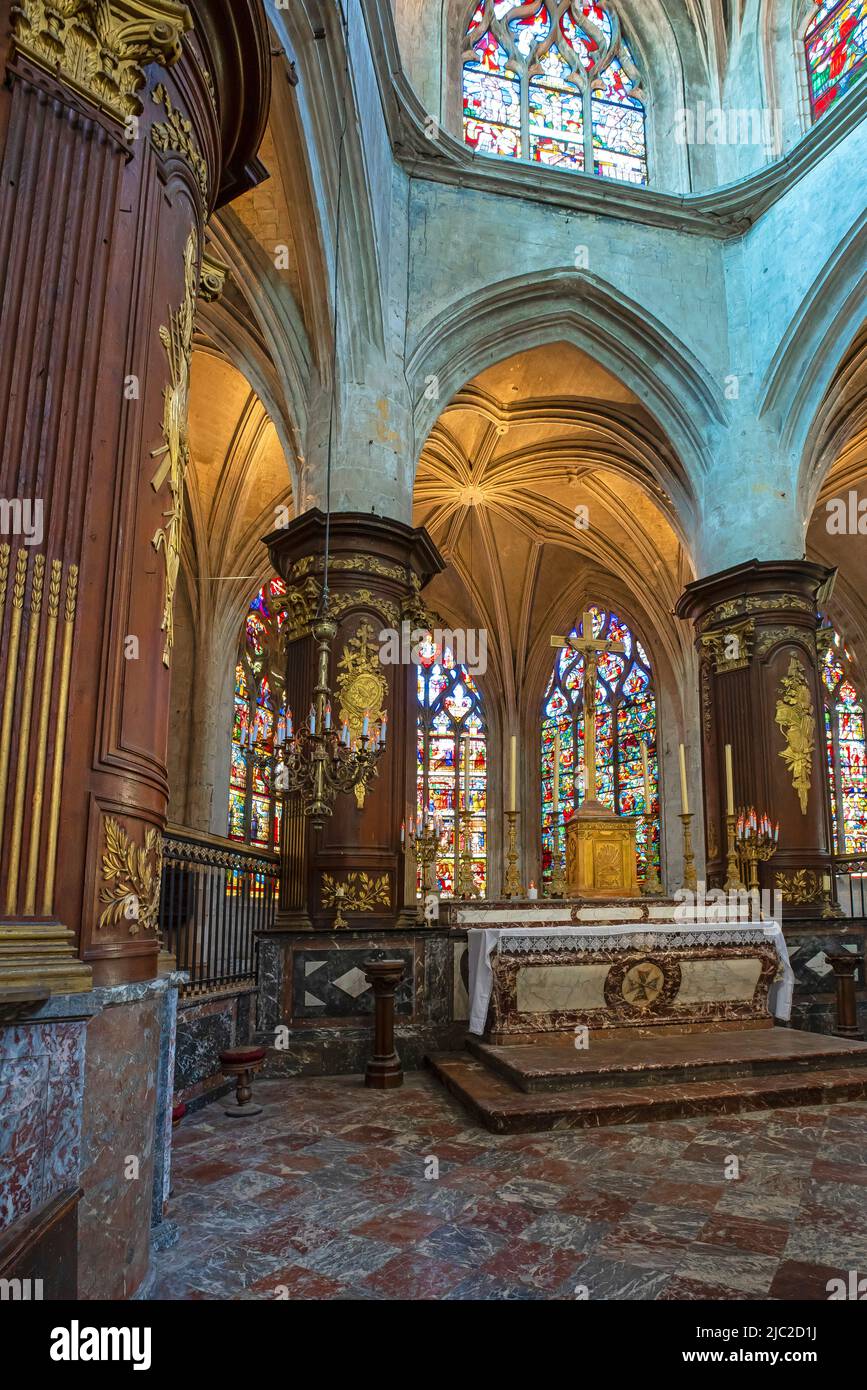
213	278
730	648
101	48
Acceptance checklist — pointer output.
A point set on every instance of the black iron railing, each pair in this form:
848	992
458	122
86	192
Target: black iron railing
215	896
850	872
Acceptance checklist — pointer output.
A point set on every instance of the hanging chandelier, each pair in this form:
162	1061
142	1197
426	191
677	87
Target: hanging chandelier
318	761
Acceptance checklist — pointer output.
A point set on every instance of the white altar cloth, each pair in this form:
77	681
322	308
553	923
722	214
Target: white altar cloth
486	941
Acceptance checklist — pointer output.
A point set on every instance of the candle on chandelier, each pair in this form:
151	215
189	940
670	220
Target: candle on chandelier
344	734
365	724
730	782
289	727
328	715
382	730
513	779
312	719
684	794
403	832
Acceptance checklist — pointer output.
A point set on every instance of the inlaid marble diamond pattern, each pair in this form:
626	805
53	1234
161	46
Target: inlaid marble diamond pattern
331	983
332	1194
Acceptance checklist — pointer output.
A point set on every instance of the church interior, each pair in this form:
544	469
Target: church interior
433	644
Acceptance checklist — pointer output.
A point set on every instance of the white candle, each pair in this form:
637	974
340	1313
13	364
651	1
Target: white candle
512	806
730	782
684	795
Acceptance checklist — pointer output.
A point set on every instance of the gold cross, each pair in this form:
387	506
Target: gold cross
591	649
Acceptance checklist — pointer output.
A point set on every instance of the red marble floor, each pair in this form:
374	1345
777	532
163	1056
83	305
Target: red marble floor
336	1192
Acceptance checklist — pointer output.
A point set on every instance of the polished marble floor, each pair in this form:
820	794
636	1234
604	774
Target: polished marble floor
336	1192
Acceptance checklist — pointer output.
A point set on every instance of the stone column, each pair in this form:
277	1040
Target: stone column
761	692
377	569
115	148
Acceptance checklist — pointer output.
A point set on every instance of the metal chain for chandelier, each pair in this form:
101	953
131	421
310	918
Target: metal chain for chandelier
318	759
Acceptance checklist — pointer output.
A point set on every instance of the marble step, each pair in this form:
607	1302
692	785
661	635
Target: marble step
499	1107
559	1065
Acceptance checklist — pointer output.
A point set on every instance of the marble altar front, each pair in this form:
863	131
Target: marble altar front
559	968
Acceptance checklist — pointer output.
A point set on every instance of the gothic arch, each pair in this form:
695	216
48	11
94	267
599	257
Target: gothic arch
526	312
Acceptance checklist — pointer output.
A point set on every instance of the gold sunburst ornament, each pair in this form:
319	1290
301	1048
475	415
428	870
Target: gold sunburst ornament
361	689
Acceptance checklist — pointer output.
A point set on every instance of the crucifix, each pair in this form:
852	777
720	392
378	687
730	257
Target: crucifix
591	649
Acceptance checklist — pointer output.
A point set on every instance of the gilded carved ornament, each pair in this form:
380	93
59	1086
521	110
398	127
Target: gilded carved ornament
101	48
799	886
176	133
772	637
131	879
361	688
357	892
730	648
353	564
177	339
797	722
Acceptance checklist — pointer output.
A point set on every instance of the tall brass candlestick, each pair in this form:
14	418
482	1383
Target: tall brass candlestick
690	878
512	882
733	883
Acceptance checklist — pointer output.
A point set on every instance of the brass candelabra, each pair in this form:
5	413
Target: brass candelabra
757	841
512	882
318	760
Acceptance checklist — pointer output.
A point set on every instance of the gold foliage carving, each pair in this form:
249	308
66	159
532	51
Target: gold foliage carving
799	886
100	48
131	877
177	339
358	892
797	722
338	604
176	133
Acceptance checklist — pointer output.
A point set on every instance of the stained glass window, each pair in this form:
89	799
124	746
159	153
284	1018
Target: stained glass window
259	724
559	88
836	51
847	749
452	764
625	717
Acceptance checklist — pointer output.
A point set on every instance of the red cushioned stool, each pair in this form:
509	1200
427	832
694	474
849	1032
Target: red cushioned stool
242	1063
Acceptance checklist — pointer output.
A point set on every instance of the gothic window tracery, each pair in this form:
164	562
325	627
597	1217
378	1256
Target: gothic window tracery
452	762
554	81
625	717
259	724
836	51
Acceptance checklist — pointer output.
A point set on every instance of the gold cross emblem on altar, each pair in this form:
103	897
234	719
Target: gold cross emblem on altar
591	649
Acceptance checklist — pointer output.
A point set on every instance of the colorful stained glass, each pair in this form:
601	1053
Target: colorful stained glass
846	742
452	763
836	51
625	716
259	714
571	99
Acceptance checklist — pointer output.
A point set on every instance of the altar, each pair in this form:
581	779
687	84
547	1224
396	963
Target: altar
537	970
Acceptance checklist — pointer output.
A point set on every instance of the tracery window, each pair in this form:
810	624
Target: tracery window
836	51
625	717
259	724
554	81
847	750
452	763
